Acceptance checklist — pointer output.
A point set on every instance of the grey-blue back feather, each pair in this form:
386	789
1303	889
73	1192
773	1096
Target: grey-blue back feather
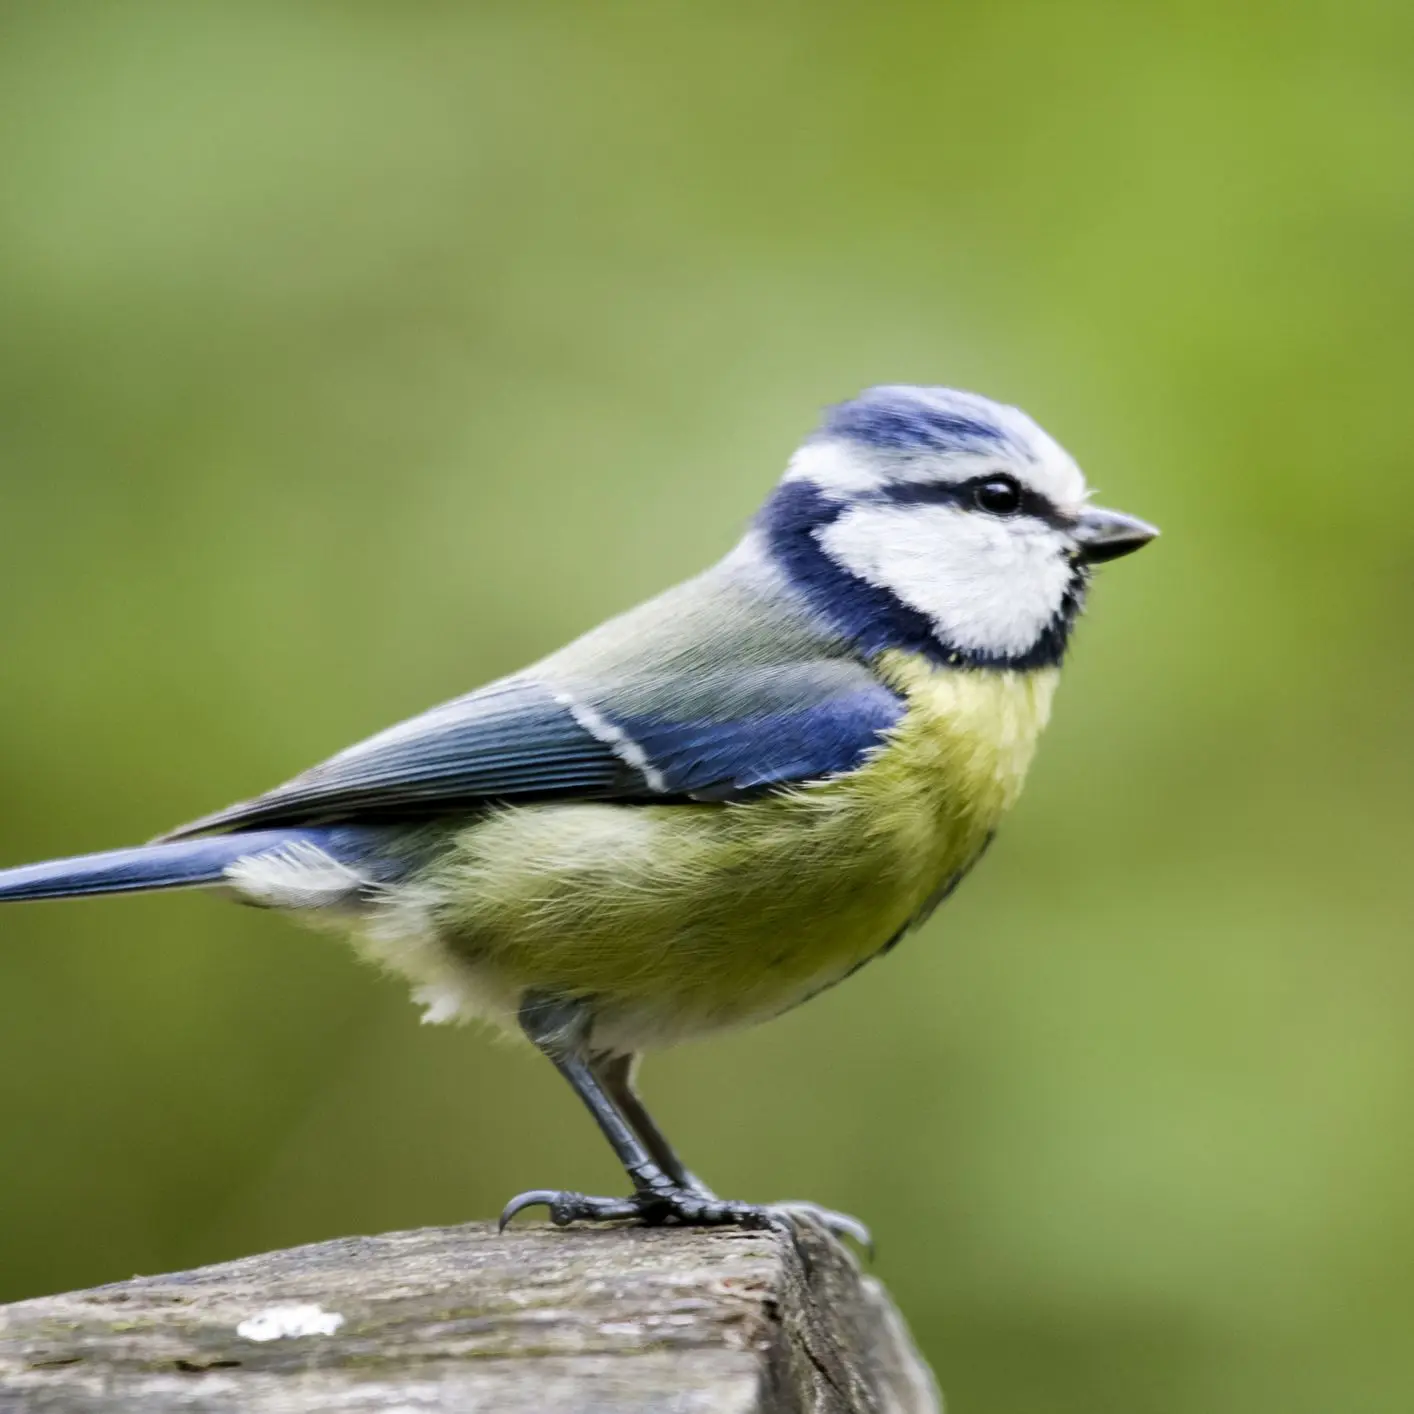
721	687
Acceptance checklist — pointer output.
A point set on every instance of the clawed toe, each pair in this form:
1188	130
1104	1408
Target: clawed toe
566	1207
685	1207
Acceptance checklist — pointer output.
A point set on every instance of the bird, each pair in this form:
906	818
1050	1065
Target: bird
708	809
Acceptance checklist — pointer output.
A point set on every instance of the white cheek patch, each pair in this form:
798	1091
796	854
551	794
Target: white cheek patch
988	585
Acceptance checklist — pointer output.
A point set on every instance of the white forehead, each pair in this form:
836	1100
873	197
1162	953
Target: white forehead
900	435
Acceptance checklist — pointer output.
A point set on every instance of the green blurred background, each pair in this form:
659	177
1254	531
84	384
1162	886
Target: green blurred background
353	354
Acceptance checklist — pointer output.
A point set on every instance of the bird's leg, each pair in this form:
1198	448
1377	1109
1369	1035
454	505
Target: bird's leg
616	1075
559	1029
664	1191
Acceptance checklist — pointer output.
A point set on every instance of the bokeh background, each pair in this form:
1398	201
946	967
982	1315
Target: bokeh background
351	355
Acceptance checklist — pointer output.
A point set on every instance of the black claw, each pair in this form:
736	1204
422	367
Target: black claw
566	1207
522	1201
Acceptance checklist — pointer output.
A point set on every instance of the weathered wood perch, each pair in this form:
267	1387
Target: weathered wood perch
533	1321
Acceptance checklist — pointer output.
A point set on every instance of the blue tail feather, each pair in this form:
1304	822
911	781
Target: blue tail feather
179	865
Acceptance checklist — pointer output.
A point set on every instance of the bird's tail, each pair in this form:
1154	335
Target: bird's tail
182	864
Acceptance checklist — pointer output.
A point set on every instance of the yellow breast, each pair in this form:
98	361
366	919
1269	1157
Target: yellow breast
965	742
932	796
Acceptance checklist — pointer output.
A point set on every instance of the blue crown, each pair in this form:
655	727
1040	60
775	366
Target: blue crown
900	418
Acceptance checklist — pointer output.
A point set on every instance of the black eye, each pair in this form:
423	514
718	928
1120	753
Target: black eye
998	496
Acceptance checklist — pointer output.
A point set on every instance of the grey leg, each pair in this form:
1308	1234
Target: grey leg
559	1030
616	1074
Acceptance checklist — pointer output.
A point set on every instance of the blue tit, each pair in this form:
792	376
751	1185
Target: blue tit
707	810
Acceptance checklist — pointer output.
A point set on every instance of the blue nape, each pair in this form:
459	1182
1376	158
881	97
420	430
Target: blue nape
869	617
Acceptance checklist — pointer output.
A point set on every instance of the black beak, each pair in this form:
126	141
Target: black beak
1104	535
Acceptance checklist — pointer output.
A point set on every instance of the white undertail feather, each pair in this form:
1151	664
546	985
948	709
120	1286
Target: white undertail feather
399	933
298	875
395	928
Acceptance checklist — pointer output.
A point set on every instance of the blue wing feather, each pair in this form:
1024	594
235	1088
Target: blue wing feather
510	740
728	759
523	740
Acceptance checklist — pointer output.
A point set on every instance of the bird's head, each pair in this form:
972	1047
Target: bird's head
944	523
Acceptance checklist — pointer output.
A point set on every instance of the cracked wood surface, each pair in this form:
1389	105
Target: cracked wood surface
623	1320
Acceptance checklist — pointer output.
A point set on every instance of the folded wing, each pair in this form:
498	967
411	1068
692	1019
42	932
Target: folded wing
526	739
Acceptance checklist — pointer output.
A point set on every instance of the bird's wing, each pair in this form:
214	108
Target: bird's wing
716	690
524	740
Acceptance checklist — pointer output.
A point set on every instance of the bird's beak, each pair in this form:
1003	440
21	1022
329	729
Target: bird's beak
1106	535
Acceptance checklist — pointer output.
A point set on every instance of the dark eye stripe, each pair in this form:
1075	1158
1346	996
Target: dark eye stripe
942	493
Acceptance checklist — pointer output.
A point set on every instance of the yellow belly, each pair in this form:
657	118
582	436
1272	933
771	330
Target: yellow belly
678	919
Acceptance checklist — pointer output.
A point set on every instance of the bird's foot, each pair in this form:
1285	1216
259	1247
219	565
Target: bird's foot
656	1206
683	1207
